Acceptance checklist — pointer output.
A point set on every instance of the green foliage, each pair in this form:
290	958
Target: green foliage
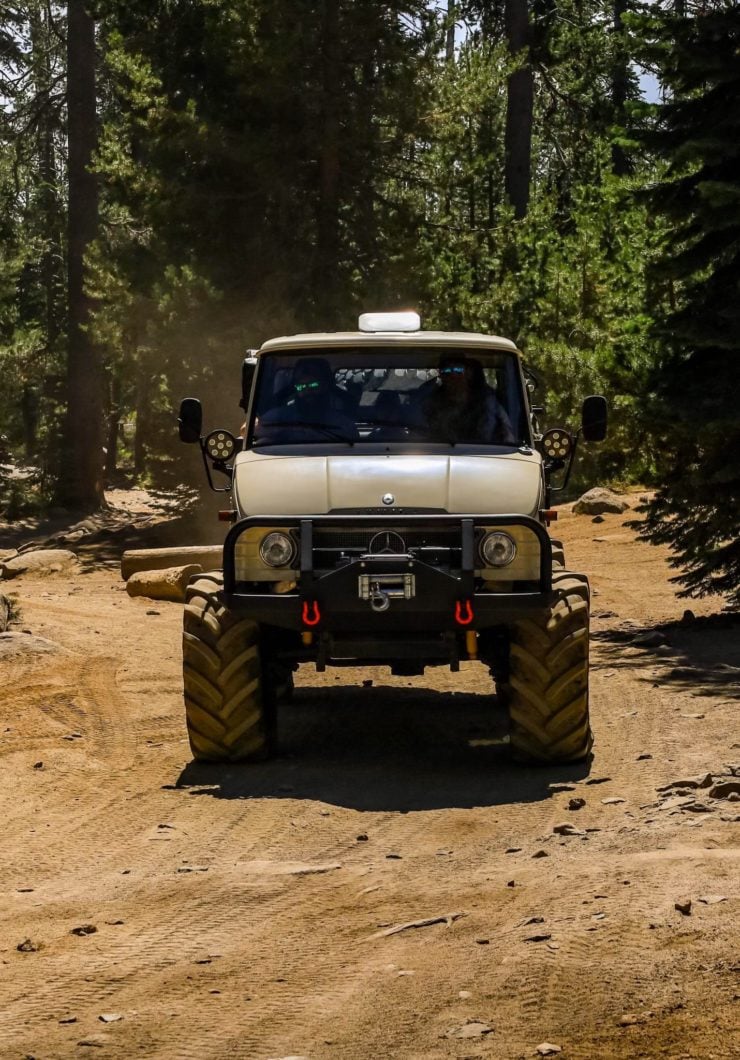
695	378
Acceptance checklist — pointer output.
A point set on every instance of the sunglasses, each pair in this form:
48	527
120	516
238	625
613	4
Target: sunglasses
452	369
302	387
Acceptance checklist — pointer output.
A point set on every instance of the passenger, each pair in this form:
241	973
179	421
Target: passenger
464	408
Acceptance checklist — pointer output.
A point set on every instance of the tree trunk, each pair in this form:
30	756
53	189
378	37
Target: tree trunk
519	108
450	40
621	164
83	471
114	420
40	386
328	212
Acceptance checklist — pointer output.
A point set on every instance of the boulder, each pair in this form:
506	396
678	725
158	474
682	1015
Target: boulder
42	562
5	613
167	584
599	500
14	644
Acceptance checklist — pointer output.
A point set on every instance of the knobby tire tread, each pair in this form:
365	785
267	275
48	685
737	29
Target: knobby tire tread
547	690
226	709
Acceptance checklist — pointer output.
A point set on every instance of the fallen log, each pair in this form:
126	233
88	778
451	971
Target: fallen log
395	929
167	584
209	557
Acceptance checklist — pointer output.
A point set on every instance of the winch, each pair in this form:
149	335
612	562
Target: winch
380	589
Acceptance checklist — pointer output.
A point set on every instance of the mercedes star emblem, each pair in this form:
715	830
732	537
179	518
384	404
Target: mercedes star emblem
388	498
387	541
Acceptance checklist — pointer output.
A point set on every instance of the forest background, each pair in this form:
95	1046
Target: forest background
182	179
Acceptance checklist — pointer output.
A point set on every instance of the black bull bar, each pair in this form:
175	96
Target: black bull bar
330	601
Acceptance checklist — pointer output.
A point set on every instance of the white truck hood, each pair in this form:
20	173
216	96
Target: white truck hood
271	484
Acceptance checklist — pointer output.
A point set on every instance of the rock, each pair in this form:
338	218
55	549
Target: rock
40	562
547	1049
712	899
644	756
512	850
362	837
544	937
167	584
471	1029
688	616
12	644
598	500
598	519
598	780
613	801
704	780
724	789
628	1020
540	854
464	995
649	640
567	829
84	929
683	905
110	1017
576	804
28	946
561	786
7	553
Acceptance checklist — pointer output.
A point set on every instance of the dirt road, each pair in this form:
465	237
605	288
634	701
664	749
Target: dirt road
164	909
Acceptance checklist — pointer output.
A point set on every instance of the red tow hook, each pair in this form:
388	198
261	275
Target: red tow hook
464	613
311	613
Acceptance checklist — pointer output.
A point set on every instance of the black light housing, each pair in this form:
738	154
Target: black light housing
557	443
220	446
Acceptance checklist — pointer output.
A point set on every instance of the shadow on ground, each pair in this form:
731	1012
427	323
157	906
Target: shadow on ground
386	749
700	656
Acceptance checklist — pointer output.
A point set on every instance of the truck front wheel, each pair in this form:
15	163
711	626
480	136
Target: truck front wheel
547	690
229	700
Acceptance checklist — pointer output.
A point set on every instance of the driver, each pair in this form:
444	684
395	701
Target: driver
315	407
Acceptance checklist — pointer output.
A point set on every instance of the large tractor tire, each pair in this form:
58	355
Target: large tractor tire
547	690
229	699
558	553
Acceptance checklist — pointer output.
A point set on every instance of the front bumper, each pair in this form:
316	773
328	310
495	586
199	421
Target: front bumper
331	601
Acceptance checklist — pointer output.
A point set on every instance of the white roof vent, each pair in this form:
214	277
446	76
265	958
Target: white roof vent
406	321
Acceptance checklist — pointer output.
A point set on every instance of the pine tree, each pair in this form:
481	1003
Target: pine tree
696	380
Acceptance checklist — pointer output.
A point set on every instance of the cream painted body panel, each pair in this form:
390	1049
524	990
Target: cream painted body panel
271	484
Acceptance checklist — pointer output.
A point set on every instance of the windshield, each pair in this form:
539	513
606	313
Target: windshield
364	395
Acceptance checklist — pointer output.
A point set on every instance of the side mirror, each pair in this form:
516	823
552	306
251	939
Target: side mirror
594	418
248	366
190	422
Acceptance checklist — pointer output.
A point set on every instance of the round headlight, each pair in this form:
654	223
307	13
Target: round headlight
498	549
277	550
556	443
220	445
